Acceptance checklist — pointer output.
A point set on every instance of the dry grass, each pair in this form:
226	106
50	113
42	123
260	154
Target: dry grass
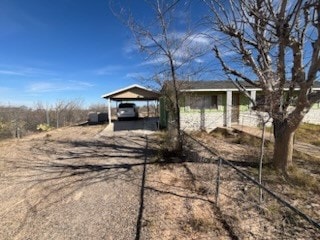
239	138
246	139
296	177
197	224
316	143
273	209
166	153
303	179
188	185
300	186
2	167
305	157
300	175
178	210
308	133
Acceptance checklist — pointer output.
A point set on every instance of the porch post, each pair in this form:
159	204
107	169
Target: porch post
228	108
157	111
253	97
109	110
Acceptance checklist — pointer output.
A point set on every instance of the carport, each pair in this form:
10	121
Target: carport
131	93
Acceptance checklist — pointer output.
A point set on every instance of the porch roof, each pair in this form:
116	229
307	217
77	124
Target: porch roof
133	93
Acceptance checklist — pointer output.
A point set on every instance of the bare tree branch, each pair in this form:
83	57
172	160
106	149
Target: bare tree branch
278	42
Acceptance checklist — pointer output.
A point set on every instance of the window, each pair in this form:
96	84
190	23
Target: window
204	102
127	105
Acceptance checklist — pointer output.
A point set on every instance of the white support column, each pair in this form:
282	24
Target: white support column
253	97
228	108
109	110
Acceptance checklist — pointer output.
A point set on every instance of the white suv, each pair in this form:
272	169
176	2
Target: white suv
127	110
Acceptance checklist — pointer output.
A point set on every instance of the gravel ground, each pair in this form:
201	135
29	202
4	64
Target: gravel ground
176	209
86	183
72	184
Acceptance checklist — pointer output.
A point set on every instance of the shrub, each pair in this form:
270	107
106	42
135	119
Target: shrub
44	127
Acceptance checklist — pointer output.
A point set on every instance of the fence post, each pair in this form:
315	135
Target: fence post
254	181
218	180
261	159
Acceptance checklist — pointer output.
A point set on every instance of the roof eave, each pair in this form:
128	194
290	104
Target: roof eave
108	95
232	89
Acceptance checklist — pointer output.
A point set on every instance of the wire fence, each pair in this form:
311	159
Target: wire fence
236	193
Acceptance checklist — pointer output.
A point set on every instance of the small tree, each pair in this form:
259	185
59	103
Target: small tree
173	52
277	44
68	112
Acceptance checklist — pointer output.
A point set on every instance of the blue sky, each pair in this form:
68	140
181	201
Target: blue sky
62	50
54	50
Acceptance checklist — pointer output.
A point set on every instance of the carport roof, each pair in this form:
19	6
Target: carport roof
133	93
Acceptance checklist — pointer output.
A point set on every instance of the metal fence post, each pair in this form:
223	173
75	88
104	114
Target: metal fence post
218	180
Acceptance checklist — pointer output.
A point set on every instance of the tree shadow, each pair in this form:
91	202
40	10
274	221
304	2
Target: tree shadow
190	193
70	166
136	124
141	200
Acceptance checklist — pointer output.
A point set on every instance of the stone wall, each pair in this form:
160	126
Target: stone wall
210	119
201	120
313	116
252	119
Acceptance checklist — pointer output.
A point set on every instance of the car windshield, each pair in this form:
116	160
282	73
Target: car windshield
127	105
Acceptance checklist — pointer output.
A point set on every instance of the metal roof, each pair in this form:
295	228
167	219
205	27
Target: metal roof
224	85
221	84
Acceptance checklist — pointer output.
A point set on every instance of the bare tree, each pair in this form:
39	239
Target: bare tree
68	112
98	107
20	121
173	52
277	44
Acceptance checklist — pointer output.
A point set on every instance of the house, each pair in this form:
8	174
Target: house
211	104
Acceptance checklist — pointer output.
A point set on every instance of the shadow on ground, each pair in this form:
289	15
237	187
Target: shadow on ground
150	124
58	169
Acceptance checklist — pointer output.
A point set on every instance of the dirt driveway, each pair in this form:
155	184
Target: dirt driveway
72	184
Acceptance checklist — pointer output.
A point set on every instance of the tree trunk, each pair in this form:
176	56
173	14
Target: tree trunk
179	134
178	143
283	145
175	131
